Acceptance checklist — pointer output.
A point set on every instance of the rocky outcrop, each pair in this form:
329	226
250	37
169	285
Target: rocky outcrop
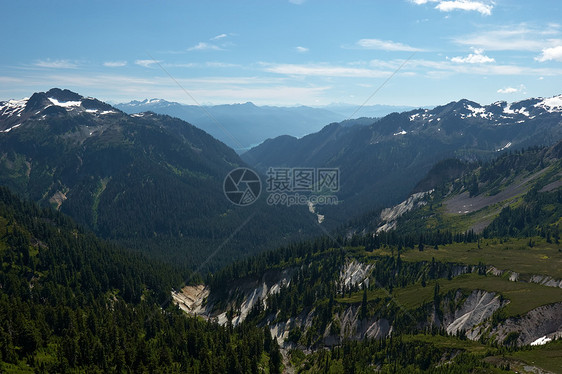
543	322
355	273
190	299
546	281
389	216
240	298
476	309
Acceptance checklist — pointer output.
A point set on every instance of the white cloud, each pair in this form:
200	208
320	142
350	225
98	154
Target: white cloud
220	36
510	90
202	46
448	6
301	49
484	8
115	64
324	70
512	38
385	45
147	63
56	64
477	57
549	54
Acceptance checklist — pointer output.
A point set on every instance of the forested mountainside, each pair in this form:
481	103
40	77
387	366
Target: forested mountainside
72	303
148	181
380	164
513	195
439	298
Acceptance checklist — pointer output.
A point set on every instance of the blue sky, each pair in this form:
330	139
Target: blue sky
274	52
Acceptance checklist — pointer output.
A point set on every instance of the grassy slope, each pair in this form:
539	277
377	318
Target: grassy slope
512	254
523	297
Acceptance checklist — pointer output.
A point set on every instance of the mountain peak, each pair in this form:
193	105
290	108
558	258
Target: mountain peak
63	95
55	101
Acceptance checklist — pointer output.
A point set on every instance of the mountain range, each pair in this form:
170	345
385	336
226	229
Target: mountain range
381	163
243	126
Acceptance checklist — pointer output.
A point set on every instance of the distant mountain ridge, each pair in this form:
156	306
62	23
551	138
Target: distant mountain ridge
381	163
241	126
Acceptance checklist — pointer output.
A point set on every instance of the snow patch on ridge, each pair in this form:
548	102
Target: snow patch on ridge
541	341
65	104
13	107
11	128
504	147
551	105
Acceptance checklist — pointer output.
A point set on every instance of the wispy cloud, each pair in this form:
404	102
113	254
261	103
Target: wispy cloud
297	2
549	54
519	37
203	46
477	57
484	8
324	70
444	68
115	64
219	89
147	63
209	64
220	36
511	90
56	64
385	45
301	49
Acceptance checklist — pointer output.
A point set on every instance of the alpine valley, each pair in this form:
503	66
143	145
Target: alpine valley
119	251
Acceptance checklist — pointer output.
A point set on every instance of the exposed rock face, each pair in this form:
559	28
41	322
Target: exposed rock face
390	215
471	312
241	297
546	281
352	327
477	308
191	298
355	273
545	321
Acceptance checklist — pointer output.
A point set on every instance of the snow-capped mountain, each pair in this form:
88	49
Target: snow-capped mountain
55	101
